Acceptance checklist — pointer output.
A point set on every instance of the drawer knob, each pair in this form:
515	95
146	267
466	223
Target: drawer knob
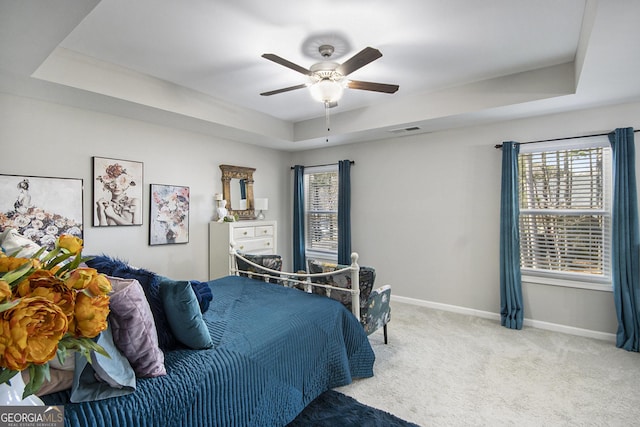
241	247
268	243
245	233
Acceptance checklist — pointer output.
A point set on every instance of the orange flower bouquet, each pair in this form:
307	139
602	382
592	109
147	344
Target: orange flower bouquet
49	305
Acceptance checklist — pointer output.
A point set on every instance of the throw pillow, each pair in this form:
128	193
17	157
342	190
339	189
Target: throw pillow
133	328
59	380
104	377
149	282
183	313
69	362
203	294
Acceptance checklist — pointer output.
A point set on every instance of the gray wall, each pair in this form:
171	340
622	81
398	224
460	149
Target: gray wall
44	139
424	210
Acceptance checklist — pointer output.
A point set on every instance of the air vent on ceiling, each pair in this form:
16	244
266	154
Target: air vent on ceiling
405	130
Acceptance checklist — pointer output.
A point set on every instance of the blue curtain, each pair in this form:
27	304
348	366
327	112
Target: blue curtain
299	261
625	270
511	307
344	212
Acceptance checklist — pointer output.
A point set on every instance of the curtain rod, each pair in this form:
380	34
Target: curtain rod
328	164
498	146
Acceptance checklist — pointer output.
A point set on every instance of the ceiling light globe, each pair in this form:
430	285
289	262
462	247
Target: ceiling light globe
326	90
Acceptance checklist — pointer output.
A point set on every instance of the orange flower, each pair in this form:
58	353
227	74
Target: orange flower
9	263
71	243
100	285
81	277
89	279
5	291
43	283
90	316
30	332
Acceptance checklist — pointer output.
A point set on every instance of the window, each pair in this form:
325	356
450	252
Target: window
321	211
565	210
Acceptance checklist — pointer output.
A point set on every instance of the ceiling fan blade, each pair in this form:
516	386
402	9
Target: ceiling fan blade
285	89
359	60
376	87
288	64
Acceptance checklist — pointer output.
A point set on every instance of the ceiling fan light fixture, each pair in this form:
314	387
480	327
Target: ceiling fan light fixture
326	90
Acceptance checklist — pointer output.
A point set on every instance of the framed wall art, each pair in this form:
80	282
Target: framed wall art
41	208
117	192
169	214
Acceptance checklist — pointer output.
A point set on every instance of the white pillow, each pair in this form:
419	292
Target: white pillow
12	241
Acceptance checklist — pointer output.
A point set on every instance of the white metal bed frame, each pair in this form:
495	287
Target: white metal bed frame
304	278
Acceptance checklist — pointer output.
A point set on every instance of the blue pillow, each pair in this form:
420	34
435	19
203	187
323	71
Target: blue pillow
149	281
203	294
104	377
183	313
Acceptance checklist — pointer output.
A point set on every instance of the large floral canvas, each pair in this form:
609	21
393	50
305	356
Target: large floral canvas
117	192
169	214
41	208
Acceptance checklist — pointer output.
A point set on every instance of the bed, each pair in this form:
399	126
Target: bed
275	349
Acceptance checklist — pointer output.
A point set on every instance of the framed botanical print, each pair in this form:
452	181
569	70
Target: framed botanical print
41	208
169	214
117	192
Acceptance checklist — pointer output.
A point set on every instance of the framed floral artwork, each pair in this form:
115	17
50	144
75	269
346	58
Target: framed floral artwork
169	214
41	208
117	192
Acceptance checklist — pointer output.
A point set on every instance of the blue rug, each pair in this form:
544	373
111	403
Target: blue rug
333	409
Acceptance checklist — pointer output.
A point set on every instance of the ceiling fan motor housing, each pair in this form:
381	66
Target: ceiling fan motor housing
326	50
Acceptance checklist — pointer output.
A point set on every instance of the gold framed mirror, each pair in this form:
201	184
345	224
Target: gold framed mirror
237	190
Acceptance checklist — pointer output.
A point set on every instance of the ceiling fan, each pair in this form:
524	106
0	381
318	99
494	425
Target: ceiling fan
327	79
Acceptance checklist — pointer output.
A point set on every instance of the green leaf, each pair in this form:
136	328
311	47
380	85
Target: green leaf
57	260
14	276
83	345
37	254
7	374
50	255
37	375
62	354
7	305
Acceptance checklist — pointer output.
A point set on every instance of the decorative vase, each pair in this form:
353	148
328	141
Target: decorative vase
11	395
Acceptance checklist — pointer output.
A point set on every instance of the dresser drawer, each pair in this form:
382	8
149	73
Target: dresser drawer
240	233
265	230
256	245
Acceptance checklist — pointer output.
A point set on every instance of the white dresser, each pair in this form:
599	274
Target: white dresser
253	237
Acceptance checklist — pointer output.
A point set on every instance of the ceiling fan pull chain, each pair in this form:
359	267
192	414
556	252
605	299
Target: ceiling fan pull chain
326	115
326	119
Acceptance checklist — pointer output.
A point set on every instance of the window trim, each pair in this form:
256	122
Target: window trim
580	283
567	279
309	252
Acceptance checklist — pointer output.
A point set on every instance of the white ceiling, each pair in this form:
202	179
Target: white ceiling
197	63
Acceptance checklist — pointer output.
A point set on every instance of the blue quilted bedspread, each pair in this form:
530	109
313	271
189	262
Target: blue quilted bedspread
275	350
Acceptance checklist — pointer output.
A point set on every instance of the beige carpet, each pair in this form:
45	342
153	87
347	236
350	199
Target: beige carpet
448	369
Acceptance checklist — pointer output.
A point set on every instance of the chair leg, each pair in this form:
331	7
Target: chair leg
385	333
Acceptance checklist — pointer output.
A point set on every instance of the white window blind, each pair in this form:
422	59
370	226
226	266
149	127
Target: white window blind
321	210
565	211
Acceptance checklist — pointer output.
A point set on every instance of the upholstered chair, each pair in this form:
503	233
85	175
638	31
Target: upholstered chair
273	262
375	311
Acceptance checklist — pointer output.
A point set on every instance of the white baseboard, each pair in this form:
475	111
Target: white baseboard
556	327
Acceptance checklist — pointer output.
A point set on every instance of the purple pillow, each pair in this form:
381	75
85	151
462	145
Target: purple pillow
149	281
133	328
